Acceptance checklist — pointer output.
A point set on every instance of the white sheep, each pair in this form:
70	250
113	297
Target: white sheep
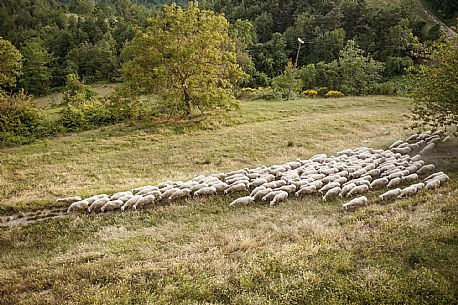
236	188
257	182
329	186
129	203
95	197
287	188
144	201
221	187
209	190
257	189
428	148
332	193
261	193
195	188
394	182
410	178
118	195
402	150
270	196
359	189
306	190
98	204
69	199
180	194
426	168
357	202
431	185
374	172
281	196
397	174
79	205
346	189
408	191
111	205
126	197
381	182
165	195
396	144
391	194
434	175
415	158
419	186
242	201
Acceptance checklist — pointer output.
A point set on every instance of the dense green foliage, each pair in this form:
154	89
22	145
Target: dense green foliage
59	37
10	65
447	8
436	88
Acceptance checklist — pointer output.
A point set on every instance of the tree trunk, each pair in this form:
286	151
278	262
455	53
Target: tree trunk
187	100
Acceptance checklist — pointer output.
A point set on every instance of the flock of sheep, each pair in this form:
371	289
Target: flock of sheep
352	172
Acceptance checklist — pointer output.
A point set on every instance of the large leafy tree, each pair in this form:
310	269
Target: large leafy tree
436	88
185	57
10	65
36	72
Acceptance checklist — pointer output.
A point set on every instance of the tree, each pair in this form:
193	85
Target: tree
436	88
10	65
186	58
36	75
357	72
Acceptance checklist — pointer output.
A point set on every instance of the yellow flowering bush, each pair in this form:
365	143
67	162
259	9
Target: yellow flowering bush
333	94
310	93
257	93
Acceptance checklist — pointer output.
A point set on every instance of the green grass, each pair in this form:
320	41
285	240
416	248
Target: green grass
202	252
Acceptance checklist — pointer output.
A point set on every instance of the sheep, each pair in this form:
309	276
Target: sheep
398	174
410	178
118	195
221	187
332	193
111	205
125	198
434	175
69	199
419	186
415	158
381	182
281	196
396	144
428	148
257	189
306	190
131	202
403	150
287	188
209	190
330	178
146	190
257	182
358	173
180	194
270	196
165	195
408	191
79	205
329	186
95	197
346	189
426	168
242	201
236	188
261	193
394	182
198	187
98	204
359	189
391	194
147	200
435	183
442	178
328	171
374	172
357	202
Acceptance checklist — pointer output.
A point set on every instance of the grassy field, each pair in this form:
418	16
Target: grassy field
202	252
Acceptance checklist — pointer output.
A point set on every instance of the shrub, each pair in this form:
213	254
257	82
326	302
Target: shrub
387	88
265	93
310	93
322	91
20	120
333	94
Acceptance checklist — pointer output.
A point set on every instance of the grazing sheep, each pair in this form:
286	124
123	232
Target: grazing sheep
434	175
391	194
329	186
398	174
332	193
195	188
396	144
410	178
236	188
419	186
415	158
125	198
270	195
359	189
442	178
116	196
221	187
242	201
147	190
346	189
209	190
111	205
287	188
257	189
408	191
394	182
403	150
358	173
95	197
261	193
131	202
373	172
98	204
257	182
426	168
281	196
354	203
381	182
431	185
428	148
79	205
180	194
306	190
165	195
69	199
144	201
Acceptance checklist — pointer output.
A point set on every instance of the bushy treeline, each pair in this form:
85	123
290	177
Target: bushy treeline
86	37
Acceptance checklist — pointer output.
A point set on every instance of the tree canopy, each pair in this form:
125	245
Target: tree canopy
10	65
186	57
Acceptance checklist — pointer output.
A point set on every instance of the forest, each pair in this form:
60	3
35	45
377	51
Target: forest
86	37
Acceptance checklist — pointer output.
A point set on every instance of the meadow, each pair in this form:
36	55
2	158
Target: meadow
200	251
